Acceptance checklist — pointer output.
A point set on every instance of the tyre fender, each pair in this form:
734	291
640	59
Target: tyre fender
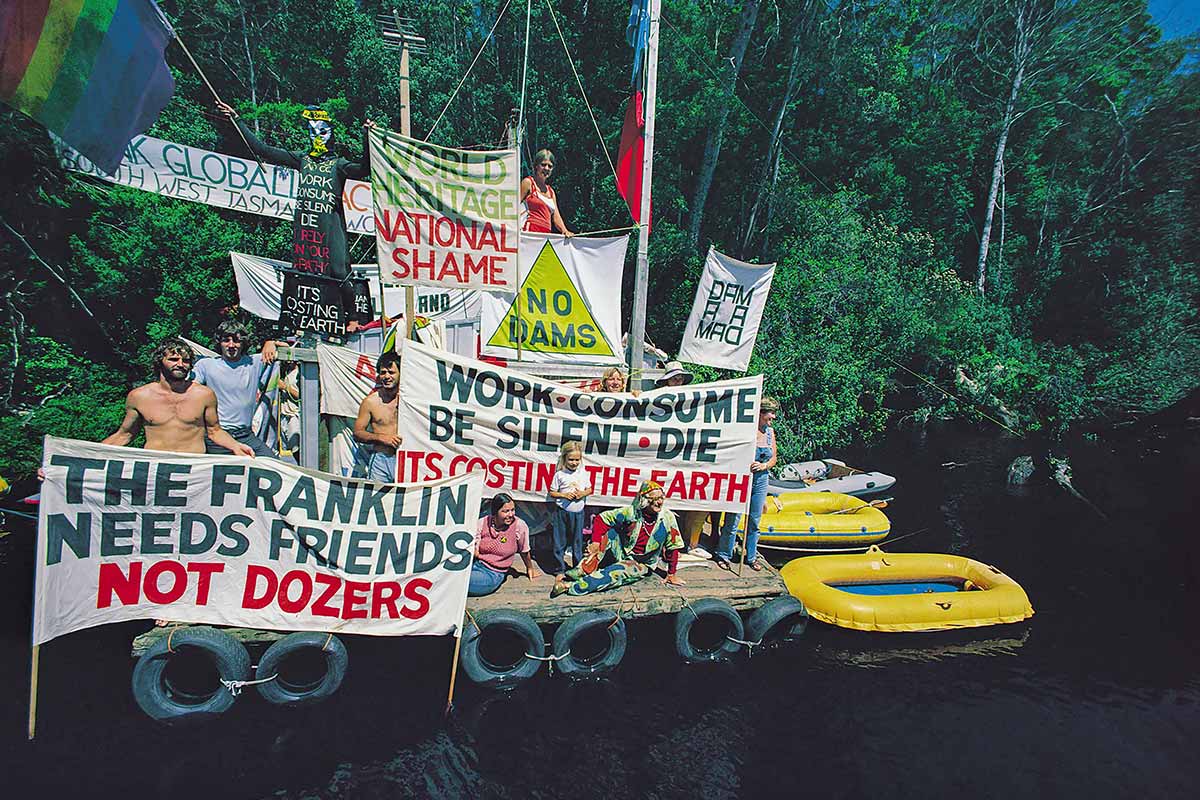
160	701
501	676
781	618
279	691
686	619
570	631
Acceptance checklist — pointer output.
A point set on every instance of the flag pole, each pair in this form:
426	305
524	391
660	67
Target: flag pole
454	668
637	323
216	96
33	689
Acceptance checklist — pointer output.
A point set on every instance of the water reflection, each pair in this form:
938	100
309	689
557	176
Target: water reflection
925	648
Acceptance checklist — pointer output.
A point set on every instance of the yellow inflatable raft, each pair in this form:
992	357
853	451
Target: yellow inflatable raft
820	518
897	592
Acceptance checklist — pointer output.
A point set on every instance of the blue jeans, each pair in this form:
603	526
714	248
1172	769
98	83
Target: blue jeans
567	529
484	580
758	499
245	436
382	467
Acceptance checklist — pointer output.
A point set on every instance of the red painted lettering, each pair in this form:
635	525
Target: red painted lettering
414	590
353	593
178	582
204	579
384	595
250	597
114	581
286	603
321	608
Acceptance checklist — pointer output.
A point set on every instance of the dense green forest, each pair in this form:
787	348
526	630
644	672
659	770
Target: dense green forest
999	197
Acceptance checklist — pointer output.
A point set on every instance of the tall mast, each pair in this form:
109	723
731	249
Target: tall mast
637	324
410	293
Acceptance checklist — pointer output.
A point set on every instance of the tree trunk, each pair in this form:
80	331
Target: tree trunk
712	148
770	170
1021	51
766	240
249	64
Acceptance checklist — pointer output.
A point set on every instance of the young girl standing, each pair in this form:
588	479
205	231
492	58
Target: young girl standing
568	488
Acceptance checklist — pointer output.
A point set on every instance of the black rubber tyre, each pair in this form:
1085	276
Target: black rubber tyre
779	620
160	700
501	676
281	691
569	632
687	618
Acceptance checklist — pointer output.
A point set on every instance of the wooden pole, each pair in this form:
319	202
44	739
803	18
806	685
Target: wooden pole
410	303
33	687
637	324
514	141
453	669
216	97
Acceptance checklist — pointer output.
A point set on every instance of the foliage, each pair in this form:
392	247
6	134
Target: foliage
874	211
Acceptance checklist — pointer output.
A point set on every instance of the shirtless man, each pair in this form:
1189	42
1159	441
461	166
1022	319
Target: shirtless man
378	412
174	412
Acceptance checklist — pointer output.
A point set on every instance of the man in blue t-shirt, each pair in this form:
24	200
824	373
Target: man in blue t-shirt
234	379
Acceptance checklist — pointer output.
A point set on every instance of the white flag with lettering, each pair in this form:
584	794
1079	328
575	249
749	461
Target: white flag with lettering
726	313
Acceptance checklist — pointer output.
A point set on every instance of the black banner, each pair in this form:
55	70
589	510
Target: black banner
363	311
312	303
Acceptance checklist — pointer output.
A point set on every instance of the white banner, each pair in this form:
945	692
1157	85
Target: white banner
568	309
445	217
457	415
260	288
726	313
127	534
216	179
347	377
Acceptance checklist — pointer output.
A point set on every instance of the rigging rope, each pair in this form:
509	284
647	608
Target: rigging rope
888	542
608	230
579	83
454	94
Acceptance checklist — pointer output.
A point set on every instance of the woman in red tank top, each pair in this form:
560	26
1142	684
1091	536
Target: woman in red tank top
540	200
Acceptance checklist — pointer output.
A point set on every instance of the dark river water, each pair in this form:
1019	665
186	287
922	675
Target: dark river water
1098	696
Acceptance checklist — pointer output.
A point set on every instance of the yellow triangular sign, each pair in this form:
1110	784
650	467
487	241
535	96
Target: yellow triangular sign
553	316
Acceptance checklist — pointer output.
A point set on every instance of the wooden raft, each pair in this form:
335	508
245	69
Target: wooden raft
249	636
648	597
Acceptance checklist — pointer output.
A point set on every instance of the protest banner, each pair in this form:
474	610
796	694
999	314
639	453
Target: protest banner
728	308
128	534
460	415
445	217
568	307
216	179
260	287
312	303
347	377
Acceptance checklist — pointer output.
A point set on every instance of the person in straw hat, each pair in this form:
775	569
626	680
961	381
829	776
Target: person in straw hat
675	375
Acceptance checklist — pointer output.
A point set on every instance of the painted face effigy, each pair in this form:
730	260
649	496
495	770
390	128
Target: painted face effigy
320	130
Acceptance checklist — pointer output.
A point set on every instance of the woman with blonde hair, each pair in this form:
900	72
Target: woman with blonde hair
613	380
541	203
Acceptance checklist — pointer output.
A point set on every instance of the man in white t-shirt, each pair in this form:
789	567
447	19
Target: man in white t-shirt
235	379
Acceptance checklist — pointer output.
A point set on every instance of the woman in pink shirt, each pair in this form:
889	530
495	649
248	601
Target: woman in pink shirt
501	536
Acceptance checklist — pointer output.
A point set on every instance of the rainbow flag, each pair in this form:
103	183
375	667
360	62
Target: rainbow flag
91	71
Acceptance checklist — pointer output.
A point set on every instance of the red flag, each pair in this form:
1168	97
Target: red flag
631	155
